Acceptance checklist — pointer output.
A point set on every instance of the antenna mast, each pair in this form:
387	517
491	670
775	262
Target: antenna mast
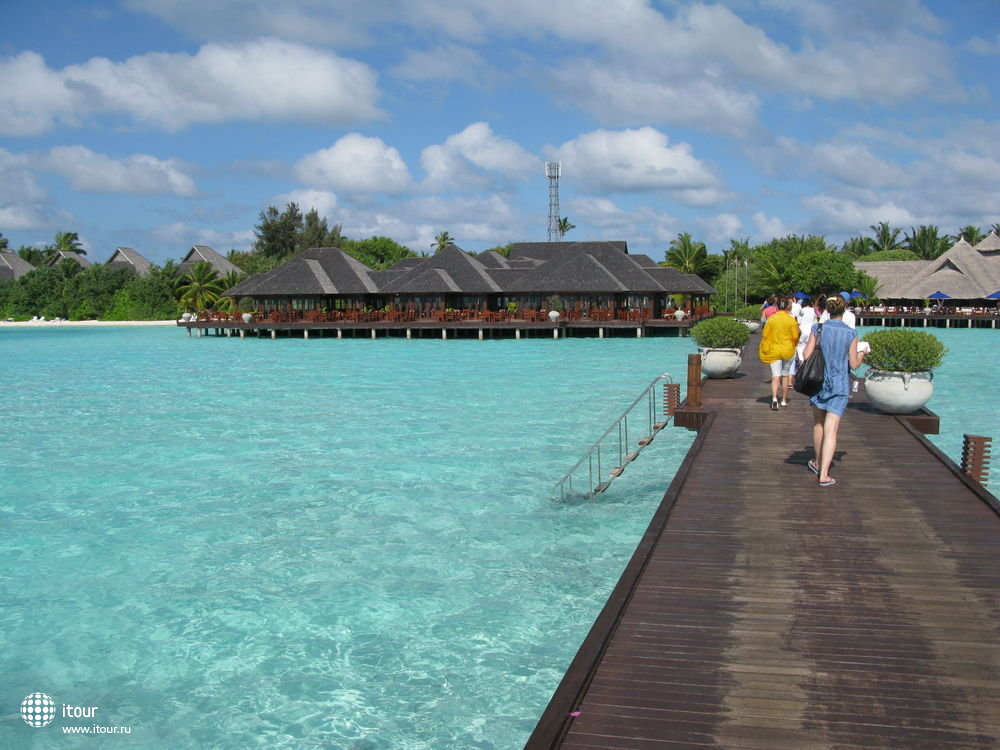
552	170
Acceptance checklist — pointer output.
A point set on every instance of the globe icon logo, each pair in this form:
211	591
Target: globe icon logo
37	710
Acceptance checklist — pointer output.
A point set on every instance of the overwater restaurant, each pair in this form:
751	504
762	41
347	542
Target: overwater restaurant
581	280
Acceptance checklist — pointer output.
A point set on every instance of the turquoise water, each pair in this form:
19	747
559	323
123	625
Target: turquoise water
342	544
286	544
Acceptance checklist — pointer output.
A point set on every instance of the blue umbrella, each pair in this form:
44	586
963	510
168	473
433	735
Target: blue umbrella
857	295
801	295
995	295
939	295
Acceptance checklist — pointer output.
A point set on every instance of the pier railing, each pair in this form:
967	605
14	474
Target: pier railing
621	444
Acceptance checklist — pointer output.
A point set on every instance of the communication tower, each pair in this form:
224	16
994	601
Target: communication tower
552	170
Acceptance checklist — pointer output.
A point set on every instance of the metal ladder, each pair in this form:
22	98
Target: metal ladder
614	448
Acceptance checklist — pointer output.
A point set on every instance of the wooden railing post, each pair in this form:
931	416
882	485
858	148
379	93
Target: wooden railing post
976	457
694	382
671	398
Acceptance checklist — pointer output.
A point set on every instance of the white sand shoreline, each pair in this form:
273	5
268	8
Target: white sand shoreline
83	323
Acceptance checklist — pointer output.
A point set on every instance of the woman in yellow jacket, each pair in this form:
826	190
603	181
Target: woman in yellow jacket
777	349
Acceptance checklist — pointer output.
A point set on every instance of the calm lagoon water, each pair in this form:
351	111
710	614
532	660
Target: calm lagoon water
341	544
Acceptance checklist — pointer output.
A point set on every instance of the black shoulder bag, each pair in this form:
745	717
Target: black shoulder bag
809	375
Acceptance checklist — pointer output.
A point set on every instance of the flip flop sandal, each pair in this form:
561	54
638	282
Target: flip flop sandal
828	483
813	467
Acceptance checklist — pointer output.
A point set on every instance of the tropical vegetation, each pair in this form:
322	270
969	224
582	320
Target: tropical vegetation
904	350
720	333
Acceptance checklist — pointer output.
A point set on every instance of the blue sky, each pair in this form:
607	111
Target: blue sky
159	124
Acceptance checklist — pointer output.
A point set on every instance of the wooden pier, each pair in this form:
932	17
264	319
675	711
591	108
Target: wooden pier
762	611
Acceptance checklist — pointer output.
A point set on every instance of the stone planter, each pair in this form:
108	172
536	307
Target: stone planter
680	315
752	325
720	363
553	315
898	392
186	317
248	317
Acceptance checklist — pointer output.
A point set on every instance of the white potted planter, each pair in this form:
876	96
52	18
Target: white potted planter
186	317
680	315
247	317
553	315
901	364
752	325
720	363
894	392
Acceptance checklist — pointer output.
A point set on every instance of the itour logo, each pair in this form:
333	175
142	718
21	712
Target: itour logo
38	710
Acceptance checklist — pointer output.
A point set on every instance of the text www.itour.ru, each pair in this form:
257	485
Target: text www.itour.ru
97	730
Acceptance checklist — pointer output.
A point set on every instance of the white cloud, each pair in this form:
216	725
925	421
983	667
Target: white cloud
139	174
835	214
767	227
182	236
721	228
266	79
634	161
855	164
444	62
355	164
464	157
641	226
323	201
981	46
620	96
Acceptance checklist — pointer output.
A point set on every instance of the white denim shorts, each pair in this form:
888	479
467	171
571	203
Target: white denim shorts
781	367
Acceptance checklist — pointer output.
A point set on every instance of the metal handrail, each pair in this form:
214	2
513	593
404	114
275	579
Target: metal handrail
656	420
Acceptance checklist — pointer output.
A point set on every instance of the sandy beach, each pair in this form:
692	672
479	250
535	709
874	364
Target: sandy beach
83	323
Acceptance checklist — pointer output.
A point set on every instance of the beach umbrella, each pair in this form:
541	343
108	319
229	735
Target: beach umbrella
995	295
939	295
801	295
857	295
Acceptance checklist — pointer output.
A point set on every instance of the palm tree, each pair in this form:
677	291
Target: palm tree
33	255
201	287
996	228
972	234
886	238
565	226
3	242
858	247
869	286
924	242
441	241
687	255
68	242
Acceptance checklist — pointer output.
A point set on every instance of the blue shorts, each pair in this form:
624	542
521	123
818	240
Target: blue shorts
835	403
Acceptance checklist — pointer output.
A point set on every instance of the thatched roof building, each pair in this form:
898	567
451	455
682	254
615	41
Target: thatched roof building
61	255
582	275
13	266
963	272
199	253
126	257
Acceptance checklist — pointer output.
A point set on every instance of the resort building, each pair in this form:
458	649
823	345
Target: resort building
963	272
199	253
126	257
61	255
13	266
580	280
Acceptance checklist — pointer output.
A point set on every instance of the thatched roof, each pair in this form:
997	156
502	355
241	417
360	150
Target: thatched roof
450	270
568	267
13	266
199	253
990	244
126	257
962	272
316	272
64	254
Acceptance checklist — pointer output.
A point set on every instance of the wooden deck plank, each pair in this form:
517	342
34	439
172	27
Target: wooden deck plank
763	611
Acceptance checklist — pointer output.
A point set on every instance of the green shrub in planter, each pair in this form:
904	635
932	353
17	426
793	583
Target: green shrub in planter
750	312
903	350
720	333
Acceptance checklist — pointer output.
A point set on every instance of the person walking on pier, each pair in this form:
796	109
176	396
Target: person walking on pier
777	349
839	345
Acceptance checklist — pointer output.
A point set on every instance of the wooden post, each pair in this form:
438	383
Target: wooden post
694	382
976	457
671	398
